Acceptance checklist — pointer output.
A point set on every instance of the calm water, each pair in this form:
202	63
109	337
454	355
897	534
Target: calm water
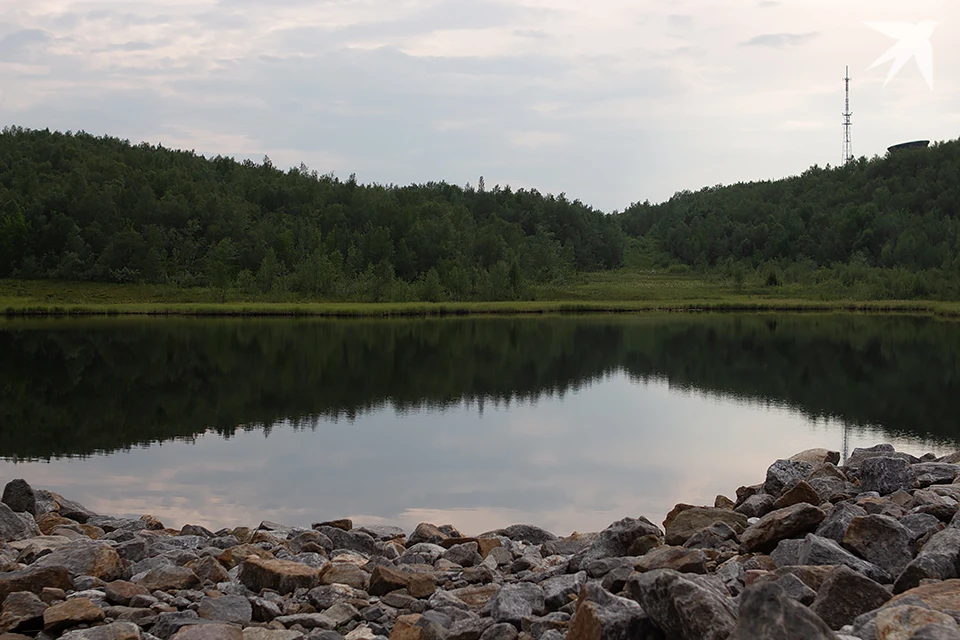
568	423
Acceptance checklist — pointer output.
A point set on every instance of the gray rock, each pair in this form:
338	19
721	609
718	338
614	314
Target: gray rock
113	631
713	537
787	553
22	611
233	609
767	612
342	613
600	568
789	522
469	628
823	551
48	501
560	590
523	533
168	624
20	497
757	505
684	606
264	610
85	558
350	540
465	555
615	540
500	631
795	588
308	621
601	615
836	523
13	527
939	559
881	540
930	473
382	532
568	546
783	472
862	453
920	524
846	594
886	475
422	553
515	601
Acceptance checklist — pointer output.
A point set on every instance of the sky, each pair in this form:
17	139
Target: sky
608	101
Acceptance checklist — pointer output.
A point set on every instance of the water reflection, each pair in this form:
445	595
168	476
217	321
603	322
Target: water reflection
583	421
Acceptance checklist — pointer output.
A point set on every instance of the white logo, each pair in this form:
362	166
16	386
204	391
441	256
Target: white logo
913	41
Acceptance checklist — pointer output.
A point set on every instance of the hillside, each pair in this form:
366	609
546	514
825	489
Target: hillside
79	207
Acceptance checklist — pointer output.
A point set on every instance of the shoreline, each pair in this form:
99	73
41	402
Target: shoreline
815	550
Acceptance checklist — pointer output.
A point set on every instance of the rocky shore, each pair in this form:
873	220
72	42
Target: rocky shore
867	550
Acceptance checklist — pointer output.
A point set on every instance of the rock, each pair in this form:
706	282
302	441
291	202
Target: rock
862	453
684	606
209	632
835	525
817	457
326	596
845	595
615	541
710	538
49	501
787	553
232	609
783	472
929	473
307	621
469	628
114	631
939	559
921	524
690	521
342	613
886	475
500	631
284	577
421	585
416	627
767	612
902	623
71	613
344	524
382	532
122	592
603	616
561	590
477	597
81	558
348	574
881	540
20	497
22	611
792	521
426	532
169	577
208	569
756	506
524	533
34	579
823	551
797	493
14	527
515	601
676	558
795	588
465	555
256	633
350	540
385	579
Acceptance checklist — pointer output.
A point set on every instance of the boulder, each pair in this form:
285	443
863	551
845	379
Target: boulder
886	474
845	595
385	579
71	613
756	506
22	611
426	532
34	579
615	541
783	472
232	609
767	612
209	632
835	525
209	569
712	537
257	633
348	574
350	540
797	493
817	457
676	558
122	592
939	559
515	601
601	615
169	577
683	606
523	533
500	631
561	590
20	497
113	631
690	521
930	473
278	575
82	558
881	540
903	622
790	522
823	551
15	527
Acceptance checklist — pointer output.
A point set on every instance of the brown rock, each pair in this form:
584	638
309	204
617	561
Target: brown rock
114	631
121	591
426	532
22	611
209	569
348	574
169	577
689	521
487	545
676	558
243	534
940	596
723	502
385	579
778	525
344	524
643	545
71	613
845	595
817	457
52	594
34	579
279	575
92	532
209	632
476	597
421	585
50	521
901	623
677	510
799	493
416	627
85	558
235	555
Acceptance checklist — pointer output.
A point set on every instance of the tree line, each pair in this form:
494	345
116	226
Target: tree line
80	207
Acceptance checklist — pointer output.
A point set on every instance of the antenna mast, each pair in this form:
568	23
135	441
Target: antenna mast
847	124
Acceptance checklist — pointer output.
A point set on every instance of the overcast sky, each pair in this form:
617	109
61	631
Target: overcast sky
610	101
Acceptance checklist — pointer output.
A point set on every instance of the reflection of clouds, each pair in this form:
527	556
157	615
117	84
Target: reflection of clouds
614	449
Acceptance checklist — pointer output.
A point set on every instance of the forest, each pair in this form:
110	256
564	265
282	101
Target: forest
79	207
76	207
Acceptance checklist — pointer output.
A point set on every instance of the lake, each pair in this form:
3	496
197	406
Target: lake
566	422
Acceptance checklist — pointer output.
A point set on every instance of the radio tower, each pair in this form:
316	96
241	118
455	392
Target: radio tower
847	124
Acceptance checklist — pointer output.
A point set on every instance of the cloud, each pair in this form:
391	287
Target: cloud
17	45
781	40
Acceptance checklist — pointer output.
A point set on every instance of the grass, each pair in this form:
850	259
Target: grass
614	292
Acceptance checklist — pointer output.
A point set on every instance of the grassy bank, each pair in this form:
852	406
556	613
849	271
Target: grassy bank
611	292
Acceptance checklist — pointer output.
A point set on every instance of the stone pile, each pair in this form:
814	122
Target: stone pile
867	550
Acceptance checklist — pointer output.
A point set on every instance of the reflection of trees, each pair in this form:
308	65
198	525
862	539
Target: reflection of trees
77	387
